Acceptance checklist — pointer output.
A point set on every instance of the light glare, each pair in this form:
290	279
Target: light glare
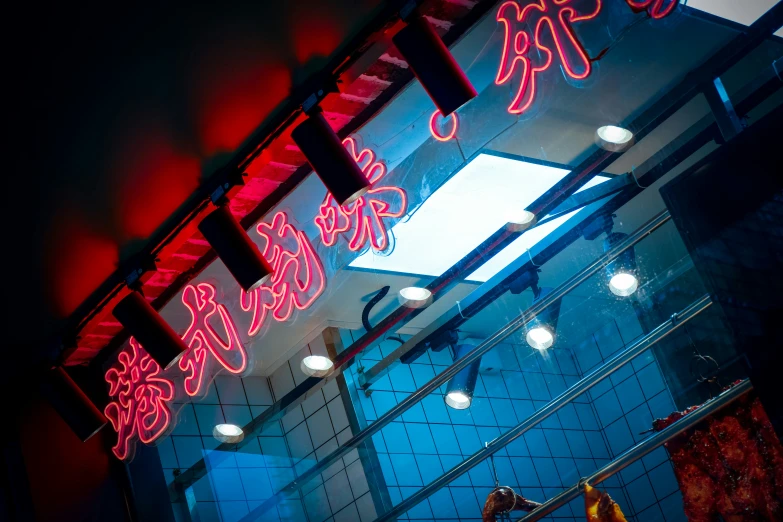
415	297
540	338
316	365
623	284
613	139
458	400
228	433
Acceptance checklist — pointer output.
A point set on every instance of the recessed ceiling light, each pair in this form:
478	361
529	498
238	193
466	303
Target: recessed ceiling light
520	219
415	297
230	433
540	338
316	365
613	139
623	284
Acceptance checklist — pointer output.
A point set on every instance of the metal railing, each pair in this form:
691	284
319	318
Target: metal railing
495	339
584	384
640	450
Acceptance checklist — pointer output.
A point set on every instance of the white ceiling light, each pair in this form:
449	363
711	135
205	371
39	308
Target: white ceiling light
613	139
458	400
540	338
520	219
230	433
623	284
468	208
316	365
415	297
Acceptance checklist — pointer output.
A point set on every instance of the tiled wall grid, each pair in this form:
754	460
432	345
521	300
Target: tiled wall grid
236	484
432	438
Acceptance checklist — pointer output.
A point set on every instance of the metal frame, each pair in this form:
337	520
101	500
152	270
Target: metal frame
640	450
584	384
472	356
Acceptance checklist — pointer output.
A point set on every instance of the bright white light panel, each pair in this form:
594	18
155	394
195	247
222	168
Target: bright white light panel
465	211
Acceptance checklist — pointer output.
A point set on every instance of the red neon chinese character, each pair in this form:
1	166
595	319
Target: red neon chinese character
203	338
362	219
434	130
139	407
554	16
656	8
298	276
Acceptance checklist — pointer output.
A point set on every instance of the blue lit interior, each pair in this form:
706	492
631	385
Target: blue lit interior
461	192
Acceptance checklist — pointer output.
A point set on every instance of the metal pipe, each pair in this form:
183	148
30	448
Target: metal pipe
584	384
384	366
474	355
640	450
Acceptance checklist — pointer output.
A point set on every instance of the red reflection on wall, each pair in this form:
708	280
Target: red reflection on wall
153	180
139	406
656	8
555	18
298	276
79	258
212	334
362	221
316	32
234	97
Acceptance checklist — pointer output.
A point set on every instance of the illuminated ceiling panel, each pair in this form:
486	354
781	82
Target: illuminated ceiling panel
743	12
465	211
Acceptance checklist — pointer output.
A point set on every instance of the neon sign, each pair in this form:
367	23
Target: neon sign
298	278
556	19
554	16
139	406
657	9
362	221
434	130
207	342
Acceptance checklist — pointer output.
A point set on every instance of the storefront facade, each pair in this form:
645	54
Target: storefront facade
527	285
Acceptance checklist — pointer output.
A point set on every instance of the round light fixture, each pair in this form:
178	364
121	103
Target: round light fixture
458	400
316	365
415	297
520	219
613	139
623	284
540	338
230	433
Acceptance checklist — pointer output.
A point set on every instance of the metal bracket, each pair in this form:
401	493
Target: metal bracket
231	184
310	104
141	274
726	117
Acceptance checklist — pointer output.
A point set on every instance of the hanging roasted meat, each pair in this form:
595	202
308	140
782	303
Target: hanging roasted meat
503	500
729	465
599	506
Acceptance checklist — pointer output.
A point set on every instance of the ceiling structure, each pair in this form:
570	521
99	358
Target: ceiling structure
400	136
148	106
158	114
